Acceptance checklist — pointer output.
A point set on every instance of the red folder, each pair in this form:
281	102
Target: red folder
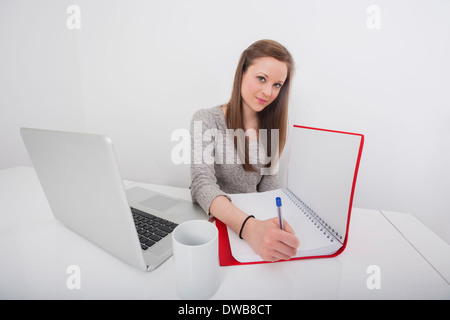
225	252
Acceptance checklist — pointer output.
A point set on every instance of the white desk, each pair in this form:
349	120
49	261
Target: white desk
36	250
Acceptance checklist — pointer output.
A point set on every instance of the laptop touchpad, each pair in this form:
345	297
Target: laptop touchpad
159	203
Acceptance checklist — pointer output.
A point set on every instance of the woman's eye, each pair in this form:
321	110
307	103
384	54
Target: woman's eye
277	85
262	79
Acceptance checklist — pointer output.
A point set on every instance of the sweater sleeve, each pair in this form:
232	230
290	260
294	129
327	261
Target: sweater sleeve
204	187
269	182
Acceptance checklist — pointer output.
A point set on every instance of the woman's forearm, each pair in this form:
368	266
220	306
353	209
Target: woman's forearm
222	209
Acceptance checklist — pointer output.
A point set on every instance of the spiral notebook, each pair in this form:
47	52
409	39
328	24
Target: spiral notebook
317	200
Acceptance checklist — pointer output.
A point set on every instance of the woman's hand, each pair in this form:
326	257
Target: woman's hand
269	241
265	237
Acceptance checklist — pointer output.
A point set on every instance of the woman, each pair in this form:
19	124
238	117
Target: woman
259	102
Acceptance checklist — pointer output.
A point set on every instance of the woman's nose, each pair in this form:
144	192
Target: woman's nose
267	90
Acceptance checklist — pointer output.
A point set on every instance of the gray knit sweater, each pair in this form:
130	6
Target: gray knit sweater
212	174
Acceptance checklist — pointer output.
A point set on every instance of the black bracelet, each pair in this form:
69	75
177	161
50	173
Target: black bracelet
243	223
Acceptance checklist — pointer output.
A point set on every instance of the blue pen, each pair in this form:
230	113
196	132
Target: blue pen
280	218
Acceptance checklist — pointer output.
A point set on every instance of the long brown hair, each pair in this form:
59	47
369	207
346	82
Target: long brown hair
274	116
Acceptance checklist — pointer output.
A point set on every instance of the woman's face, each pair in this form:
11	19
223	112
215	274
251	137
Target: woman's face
262	82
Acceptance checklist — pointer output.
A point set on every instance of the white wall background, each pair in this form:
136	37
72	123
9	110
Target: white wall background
138	70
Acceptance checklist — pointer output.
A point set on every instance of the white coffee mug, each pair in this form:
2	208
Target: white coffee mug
195	251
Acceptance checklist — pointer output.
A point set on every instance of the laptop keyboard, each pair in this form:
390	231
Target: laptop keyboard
150	228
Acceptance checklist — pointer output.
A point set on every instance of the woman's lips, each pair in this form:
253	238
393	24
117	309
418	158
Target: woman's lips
261	101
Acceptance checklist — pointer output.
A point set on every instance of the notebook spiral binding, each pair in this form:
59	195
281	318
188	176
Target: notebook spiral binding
324	227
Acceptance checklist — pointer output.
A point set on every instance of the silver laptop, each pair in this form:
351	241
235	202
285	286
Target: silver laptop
81	180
